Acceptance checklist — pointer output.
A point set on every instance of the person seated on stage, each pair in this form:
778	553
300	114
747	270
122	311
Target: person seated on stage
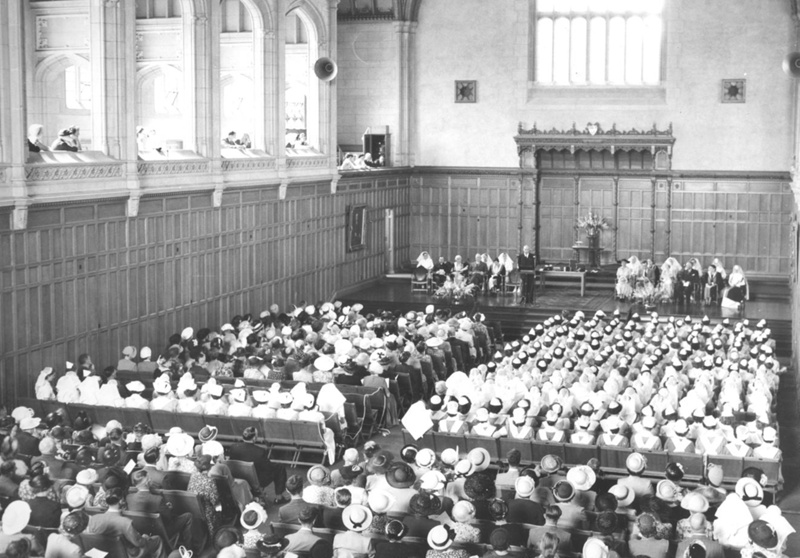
499	270
684	287
460	270
713	284
623	287
480	270
425	262
651	271
442	271
737	291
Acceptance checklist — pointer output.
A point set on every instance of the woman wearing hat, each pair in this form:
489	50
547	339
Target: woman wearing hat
253	517
463	514
440	540
65	543
44	384
319	492
357	519
204	486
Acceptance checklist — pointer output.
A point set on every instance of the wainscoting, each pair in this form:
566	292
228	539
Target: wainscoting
744	219
84	278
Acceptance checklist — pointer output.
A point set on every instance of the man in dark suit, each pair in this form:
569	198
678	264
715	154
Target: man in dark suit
527	262
113	524
267	471
290	513
182	529
304	539
441	271
156	476
521	509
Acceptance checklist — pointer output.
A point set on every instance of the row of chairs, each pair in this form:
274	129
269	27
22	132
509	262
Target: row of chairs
288	441
422	281
612	459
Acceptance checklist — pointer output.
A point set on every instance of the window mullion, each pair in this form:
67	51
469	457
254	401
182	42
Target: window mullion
608	49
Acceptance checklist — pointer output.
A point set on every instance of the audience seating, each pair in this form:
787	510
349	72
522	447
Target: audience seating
308	437
183	501
420	281
246	471
612	459
150	524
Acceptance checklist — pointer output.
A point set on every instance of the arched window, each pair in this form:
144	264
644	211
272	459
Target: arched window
302	86
162	106
237	69
598	42
62	97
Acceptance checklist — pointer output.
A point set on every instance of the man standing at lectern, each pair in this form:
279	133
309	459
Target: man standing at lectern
526	262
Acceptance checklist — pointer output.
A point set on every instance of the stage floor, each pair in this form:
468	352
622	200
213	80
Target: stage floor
558	297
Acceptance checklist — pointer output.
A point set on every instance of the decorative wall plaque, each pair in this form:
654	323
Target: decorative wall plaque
466	91
733	90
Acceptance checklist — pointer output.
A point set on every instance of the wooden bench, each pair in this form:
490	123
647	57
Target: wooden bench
553	274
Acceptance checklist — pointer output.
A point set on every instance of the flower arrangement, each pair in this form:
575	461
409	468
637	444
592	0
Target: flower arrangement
592	223
455	293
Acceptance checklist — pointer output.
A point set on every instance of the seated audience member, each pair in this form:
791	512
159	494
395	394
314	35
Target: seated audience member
548	546
65	141
229	140
348	164
304	539
244	142
440	540
357	519
267	471
65	543
648	542
35	134
423	505
290	511
15	519
394	547
112	523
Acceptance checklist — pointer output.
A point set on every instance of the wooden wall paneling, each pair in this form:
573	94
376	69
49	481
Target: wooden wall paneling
557	213
634	219
597	195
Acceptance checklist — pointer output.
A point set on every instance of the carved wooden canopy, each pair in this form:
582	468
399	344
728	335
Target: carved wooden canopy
594	138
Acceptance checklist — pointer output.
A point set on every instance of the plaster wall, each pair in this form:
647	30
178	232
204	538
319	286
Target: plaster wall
368	81
706	41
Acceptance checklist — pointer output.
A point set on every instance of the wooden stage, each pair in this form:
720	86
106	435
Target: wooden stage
395	294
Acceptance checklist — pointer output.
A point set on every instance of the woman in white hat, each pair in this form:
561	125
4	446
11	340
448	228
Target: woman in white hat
44	384
357	519
135	399
463	514
15	519
440	539
253	516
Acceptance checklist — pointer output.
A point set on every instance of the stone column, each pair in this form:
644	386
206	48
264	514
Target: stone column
402	149
13	110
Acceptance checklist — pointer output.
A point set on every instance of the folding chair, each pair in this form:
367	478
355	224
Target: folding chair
184	501
443	441
278	437
579	454
135	416
693	465
162	421
308	438
732	466
224	424
524	446
540	449
420	281
353	436
245	470
192	423
178	480
485	442
612	458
